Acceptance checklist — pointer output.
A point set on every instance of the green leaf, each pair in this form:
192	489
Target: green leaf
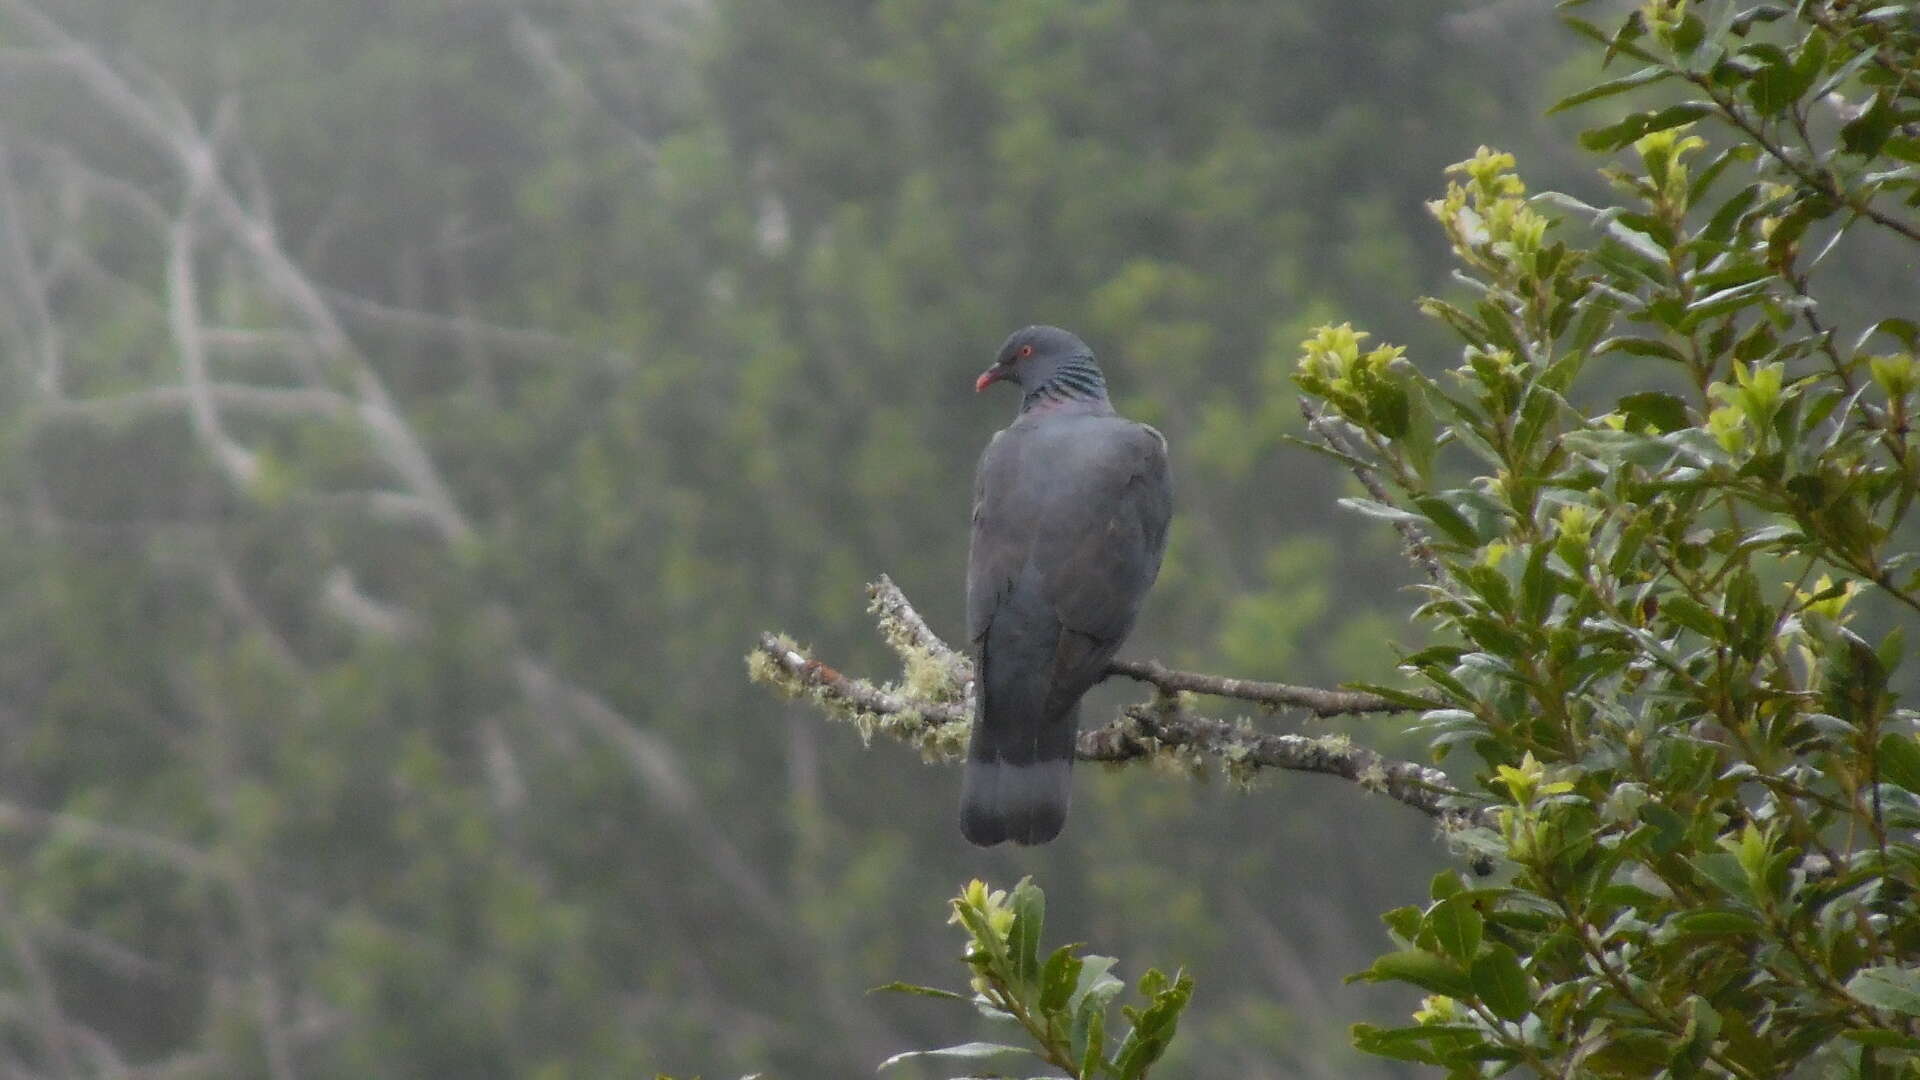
1404	922
1447	520
1724	870
1619	446
1703	1027
1688	34
1721	225
1381	510
1644	77
1670	829
1898	756
1631	1055
972	1051
1808	65
1687	612
1715	924
1867	133
1455	926
1091	995
1881	1037
1095	987
923	991
1743	22
1412	1043
1058	978
1427	970
1615	136
1719	303
1413	702
1640	346
1787	232
1090	1043
1538	585
1154	1029
1665	412
1778	81
1889	986
1771	535
1389	409
1152	984
1023	940
1500	984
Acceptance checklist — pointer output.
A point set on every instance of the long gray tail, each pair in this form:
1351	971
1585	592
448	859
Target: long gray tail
1019	778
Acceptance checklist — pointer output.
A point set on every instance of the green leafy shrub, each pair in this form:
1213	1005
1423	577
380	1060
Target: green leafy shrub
1668	622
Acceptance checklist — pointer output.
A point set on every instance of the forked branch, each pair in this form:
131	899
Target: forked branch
932	706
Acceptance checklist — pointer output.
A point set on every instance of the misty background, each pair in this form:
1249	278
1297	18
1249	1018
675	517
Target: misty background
411	411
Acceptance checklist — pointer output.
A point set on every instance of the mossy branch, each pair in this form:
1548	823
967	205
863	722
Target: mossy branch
932	707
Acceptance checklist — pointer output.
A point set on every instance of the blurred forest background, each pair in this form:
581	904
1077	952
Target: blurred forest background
411	411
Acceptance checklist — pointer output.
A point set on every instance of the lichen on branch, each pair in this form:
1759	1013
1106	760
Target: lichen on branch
931	708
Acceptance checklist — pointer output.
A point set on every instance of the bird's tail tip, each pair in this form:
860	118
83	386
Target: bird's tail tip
1025	803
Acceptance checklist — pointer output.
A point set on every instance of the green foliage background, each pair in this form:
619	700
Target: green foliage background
765	246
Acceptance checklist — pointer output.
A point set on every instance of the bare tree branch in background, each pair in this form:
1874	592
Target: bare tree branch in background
49	1023
44	351
360	394
222	237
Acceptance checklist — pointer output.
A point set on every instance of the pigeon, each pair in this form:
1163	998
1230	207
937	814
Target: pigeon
1070	511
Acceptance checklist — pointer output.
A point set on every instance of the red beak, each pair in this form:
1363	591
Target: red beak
990	376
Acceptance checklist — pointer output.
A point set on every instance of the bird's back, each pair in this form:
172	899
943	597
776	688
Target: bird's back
1069	525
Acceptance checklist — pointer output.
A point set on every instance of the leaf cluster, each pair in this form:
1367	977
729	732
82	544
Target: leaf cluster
1060	1000
1669	621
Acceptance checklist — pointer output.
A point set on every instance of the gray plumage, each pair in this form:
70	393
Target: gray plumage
1070	512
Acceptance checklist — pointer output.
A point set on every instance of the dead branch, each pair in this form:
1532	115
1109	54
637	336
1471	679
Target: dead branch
1321	703
183	309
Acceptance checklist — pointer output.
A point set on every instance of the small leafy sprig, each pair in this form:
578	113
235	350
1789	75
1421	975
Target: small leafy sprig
1060	1002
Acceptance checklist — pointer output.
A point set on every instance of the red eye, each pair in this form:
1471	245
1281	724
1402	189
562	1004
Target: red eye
1025	351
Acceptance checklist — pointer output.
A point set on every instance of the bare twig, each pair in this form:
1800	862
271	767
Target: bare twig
1319	702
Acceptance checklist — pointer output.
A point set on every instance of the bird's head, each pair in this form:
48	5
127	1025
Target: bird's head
1034	356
